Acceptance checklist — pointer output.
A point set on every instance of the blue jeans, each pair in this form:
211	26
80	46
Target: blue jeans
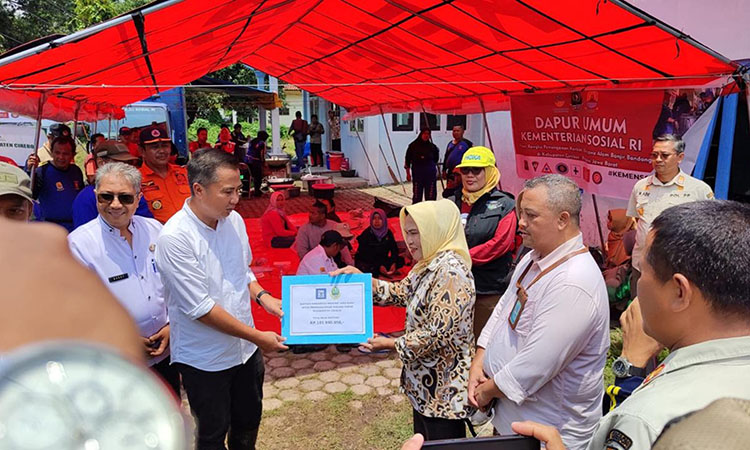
299	149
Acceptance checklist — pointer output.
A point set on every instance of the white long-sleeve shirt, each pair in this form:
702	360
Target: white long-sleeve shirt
202	267
550	367
128	272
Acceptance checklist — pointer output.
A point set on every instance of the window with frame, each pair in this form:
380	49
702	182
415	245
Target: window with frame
403	122
357	125
432	120
453	120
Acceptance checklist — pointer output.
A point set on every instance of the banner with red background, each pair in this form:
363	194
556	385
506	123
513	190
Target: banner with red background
600	139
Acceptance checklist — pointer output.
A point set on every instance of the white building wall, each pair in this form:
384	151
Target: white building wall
374	134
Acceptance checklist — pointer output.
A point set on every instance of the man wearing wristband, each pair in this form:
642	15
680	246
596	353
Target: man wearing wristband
203	255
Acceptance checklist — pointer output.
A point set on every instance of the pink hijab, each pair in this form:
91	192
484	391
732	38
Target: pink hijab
273	206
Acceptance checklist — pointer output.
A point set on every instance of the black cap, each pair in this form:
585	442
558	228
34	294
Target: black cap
59	129
152	134
331	237
124	131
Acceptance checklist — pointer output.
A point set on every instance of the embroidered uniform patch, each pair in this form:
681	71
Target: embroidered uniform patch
616	436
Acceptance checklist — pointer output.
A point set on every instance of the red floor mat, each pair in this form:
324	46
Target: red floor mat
270	264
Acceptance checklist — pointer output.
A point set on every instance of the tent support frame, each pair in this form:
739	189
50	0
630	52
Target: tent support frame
364	150
393	152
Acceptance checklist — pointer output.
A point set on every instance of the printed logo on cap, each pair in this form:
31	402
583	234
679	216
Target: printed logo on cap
473	157
155	133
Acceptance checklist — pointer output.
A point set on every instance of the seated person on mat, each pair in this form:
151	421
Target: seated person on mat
377	252
330	209
319	261
309	234
278	231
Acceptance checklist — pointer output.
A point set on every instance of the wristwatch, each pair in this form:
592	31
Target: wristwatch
622	368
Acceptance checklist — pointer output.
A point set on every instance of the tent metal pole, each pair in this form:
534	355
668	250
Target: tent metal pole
109	126
39	110
393	152
96	120
489	135
75	122
364	150
486	125
598	223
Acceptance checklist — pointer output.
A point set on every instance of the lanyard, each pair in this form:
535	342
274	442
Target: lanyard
522	292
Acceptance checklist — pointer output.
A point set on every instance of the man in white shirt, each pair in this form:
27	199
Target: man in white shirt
319	261
204	255
694	299
667	186
119	247
543	350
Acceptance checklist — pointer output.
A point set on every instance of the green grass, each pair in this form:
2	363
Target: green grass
333	424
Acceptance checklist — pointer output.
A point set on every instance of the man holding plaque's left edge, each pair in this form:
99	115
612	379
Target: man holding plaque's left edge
203	255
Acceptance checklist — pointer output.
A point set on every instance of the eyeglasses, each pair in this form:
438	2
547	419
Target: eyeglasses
662	155
125	199
471	170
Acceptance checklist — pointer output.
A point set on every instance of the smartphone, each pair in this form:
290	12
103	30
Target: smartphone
486	443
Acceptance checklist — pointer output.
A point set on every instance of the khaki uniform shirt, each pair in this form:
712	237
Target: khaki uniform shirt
650	197
688	380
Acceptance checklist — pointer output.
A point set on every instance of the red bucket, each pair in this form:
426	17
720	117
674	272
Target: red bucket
335	161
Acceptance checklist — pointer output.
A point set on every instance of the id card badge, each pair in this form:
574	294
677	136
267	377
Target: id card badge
515	313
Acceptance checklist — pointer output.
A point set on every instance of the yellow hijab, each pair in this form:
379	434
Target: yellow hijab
440	229
492	179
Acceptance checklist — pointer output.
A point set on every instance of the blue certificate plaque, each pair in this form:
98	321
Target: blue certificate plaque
320	309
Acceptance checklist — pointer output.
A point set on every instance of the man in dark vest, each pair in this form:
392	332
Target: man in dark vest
490	224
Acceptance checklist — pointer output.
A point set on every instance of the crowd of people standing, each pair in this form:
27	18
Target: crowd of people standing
521	336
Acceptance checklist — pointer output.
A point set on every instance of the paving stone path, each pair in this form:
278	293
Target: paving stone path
315	376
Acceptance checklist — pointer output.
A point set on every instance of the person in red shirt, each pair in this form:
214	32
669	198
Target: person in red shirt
130	138
278	231
225	140
202	141
489	219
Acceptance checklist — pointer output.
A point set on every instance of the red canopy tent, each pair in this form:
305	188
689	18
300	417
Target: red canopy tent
369	57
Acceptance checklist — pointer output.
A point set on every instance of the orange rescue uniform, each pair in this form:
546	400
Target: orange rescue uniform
165	196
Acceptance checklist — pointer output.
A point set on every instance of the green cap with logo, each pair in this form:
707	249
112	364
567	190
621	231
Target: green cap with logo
14	181
477	157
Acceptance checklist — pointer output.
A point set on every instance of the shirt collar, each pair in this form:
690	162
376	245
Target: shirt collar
714	350
679	180
191	214
112	230
562	250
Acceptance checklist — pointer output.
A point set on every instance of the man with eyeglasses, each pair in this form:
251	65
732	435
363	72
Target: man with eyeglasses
84	206
120	248
165	186
667	186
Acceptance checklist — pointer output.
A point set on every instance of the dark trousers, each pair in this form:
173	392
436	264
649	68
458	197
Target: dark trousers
483	308
336	145
316	153
256	170
427	187
299	149
169	374
435	428
226	401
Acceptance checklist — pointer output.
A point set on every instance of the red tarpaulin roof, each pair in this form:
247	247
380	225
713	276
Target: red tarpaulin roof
367	56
